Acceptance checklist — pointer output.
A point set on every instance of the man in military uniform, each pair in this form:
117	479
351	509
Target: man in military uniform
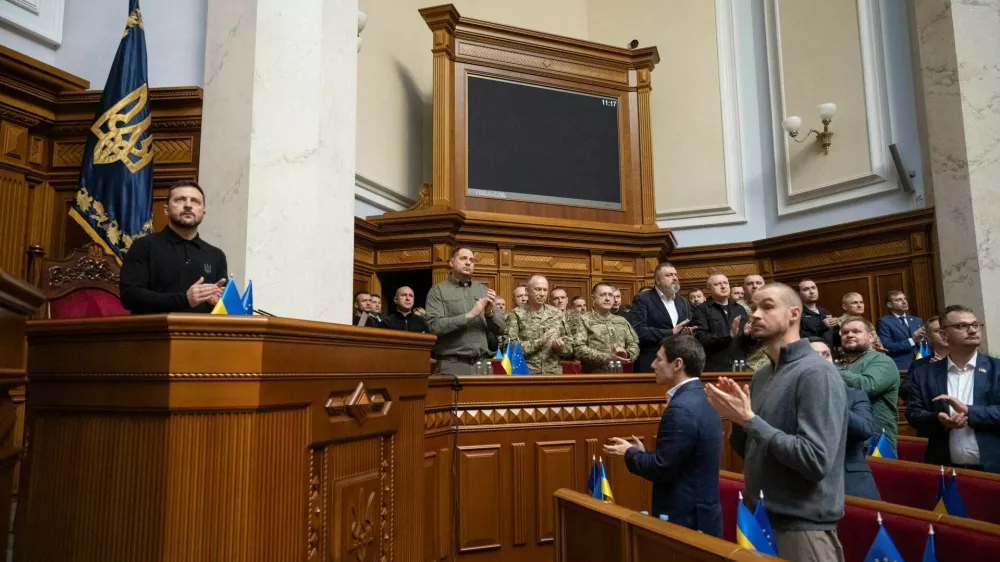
460	312
756	357
541	328
601	337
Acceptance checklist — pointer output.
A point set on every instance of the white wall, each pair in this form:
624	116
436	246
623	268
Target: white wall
175	40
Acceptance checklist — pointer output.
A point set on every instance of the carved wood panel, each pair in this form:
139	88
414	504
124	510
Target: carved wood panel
479	485
556	468
432	505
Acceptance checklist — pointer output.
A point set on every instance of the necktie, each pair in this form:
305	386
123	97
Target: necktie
906	325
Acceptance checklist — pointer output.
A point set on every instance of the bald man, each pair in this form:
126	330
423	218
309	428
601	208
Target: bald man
403	318
541	328
790	428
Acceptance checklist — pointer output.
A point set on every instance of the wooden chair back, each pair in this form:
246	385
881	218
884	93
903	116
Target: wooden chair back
83	284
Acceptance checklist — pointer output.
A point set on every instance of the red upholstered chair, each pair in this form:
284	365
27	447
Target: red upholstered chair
911	448
730	485
571	367
916	485
82	285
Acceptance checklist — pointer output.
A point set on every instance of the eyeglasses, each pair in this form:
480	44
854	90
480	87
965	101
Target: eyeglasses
964	326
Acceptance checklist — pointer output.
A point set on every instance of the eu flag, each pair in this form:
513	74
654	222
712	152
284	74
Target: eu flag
883	549
749	535
760	514
114	203
929	552
517	362
593	479
247	301
949	500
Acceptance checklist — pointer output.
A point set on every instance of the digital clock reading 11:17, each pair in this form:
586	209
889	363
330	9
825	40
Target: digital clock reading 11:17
609	103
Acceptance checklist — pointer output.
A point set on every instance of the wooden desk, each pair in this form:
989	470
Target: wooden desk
222	438
18	301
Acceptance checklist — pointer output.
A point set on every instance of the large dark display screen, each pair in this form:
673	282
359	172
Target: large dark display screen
534	143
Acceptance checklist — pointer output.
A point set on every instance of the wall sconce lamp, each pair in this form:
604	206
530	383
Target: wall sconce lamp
362	22
826	111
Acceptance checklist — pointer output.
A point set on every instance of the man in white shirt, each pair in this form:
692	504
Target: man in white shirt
956	403
659	314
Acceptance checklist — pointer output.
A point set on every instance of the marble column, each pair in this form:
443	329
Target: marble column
278	150
959	49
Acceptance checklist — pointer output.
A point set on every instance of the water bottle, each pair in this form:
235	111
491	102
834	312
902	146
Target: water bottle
618	367
478	369
743	366
664	517
644	512
736	365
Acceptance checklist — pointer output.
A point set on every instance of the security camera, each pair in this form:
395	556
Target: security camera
633	43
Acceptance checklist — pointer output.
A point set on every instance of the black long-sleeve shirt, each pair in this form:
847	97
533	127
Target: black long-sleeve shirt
713	327
408	323
813	325
159	268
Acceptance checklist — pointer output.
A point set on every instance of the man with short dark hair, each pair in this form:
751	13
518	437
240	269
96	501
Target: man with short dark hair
756	357
559	298
174	270
695	297
789	427
736	293
363	311
520	295
684	467
955	403
816	321
403	318
939	351
659	314
900	332
720	324
377	307
620	308
873	372
460	311
579	304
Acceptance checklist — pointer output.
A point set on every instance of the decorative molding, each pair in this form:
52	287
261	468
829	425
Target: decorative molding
40	18
727	269
520	508
544	414
173	151
379	196
486	258
67	154
618	266
734	209
539	62
20	117
536	262
397	257
881	178
892	248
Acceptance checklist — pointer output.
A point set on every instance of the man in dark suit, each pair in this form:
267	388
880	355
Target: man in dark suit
900	333
721	325
939	351
858	479
658	314
684	468
955	403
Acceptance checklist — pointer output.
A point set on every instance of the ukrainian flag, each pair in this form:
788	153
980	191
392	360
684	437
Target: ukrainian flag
749	535
114	201
923	350
230	303
883	449
602	489
505	358
949	500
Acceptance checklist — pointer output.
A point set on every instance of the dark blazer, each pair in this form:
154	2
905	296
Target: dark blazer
652	323
895	338
712	328
684	468
858	479
931	380
905	378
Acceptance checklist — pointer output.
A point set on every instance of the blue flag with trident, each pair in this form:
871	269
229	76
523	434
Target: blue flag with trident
114	202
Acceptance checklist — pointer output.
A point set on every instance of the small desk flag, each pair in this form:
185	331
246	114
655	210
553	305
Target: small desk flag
592	480
517	363
949	500
883	449
602	491
230	302
929	554
114	201
749	535
765	525
505	358
883	549
248	299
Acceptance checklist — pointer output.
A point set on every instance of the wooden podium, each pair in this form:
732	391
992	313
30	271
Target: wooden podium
222	438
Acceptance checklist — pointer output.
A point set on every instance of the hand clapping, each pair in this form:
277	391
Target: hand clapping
729	400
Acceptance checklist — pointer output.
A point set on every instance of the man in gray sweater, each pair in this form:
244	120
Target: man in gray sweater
789	428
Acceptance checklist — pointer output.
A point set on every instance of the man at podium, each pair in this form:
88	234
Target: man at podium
174	270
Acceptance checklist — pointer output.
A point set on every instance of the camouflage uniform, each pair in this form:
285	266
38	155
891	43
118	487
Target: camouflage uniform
596	333
757	357
526	325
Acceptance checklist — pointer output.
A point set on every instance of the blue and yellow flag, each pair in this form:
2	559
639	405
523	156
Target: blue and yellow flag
114	203
929	554
505	359
749	535
923	350
883	549
230	303
883	449
949	500
602	489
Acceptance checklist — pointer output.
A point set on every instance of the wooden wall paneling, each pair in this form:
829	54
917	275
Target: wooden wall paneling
15	197
886	281
432	505
556	468
479	474
832	291
519	496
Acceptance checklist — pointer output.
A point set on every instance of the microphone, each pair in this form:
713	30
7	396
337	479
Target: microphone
264	312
